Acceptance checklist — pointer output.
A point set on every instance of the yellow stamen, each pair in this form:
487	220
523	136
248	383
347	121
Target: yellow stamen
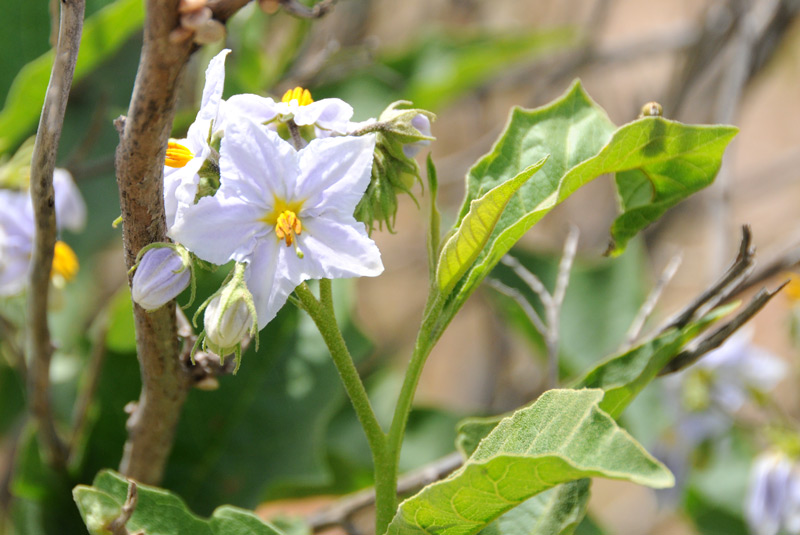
302	96
177	155
287	226
65	262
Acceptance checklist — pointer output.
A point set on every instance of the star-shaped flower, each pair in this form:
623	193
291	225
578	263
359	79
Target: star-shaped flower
287	213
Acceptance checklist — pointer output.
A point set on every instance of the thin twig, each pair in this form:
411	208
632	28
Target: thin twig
549	328
739	268
650	303
553	312
39	346
520	299
117	526
530	279
299	10
341	512
713	341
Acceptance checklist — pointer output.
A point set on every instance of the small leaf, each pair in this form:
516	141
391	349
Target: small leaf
158	511
475	227
562	437
622	377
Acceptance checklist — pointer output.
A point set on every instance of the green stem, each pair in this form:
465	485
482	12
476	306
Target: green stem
386	493
322	314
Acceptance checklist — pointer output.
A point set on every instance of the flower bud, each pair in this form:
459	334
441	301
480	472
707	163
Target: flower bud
226	324
400	135
230	316
162	273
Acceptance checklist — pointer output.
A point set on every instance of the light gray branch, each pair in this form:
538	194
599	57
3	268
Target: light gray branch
342	512
38	345
650	303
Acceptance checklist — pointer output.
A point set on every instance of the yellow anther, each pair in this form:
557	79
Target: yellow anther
65	262
177	155
287	226
302	96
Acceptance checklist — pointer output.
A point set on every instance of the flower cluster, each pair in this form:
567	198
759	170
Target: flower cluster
17	229
272	186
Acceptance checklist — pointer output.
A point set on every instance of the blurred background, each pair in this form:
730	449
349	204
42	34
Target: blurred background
470	62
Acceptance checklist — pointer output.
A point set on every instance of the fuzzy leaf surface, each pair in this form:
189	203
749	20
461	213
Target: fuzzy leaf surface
562	437
158	511
476	226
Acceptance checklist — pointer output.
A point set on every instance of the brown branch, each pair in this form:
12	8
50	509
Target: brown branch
140	164
714	294
39	346
117	526
716	339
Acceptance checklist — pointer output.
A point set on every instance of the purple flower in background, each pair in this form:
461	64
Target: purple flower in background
773	500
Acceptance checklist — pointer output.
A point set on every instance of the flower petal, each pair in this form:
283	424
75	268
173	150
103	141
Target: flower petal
334	248
269	291
329	113
256	164
212	91
334	173
219	229
70	207
256	108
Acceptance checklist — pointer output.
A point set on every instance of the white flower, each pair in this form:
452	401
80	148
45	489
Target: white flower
287	213
186	156
329	115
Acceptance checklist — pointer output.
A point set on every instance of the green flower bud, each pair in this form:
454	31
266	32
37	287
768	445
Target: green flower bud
229	318
400	135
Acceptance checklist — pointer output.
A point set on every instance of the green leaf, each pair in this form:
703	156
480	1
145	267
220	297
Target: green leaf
463	247
557	511
562	437
623	376
583	144
103	34
158	511
661	163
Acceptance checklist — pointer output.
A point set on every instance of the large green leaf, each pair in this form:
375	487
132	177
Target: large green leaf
623	376
464	246
583	144
103	34
557	511
662	163
562	437
158	511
